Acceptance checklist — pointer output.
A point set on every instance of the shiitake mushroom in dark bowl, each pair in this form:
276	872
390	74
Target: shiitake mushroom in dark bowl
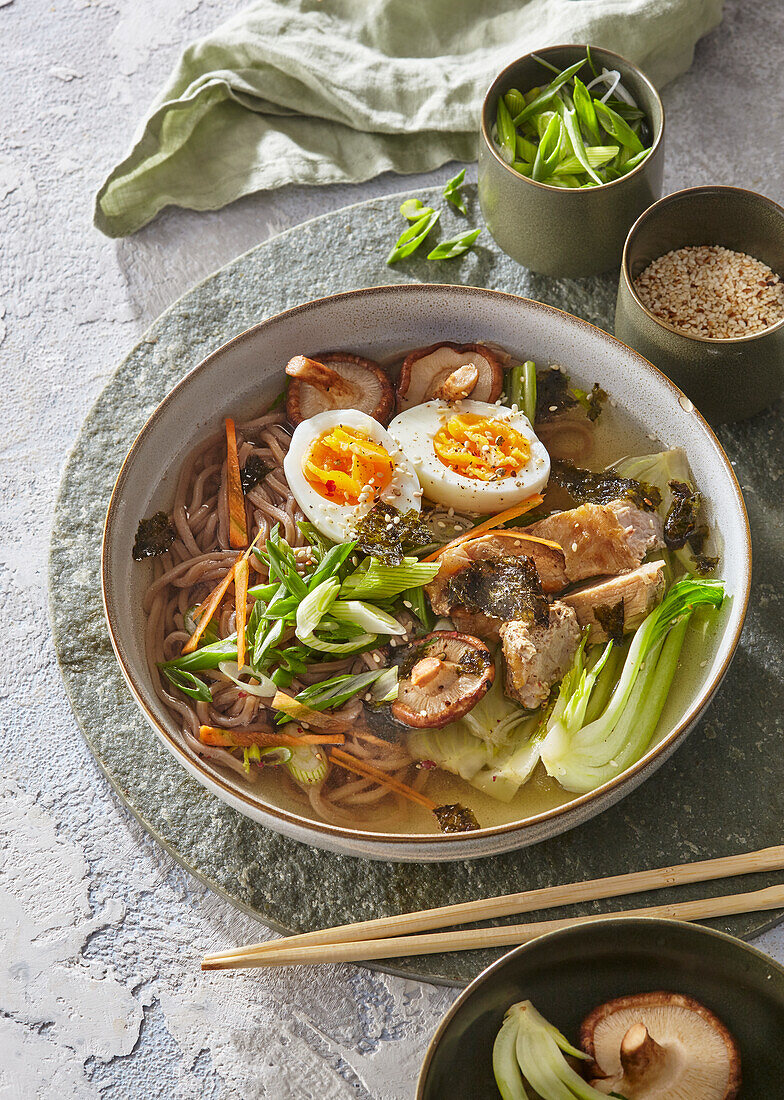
570	973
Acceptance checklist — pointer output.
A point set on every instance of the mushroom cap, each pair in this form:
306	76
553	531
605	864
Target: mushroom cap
682	1052
426	369
367	388
446	674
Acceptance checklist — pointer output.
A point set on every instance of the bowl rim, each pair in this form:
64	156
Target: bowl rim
694	194
363	836
602	923
490	144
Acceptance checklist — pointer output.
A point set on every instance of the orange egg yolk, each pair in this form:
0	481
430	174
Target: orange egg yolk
481	448
344	465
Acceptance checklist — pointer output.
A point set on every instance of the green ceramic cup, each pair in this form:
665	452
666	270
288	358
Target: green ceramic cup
726	379
559	231
567	973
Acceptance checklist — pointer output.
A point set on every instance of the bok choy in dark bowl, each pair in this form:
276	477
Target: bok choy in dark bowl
571	152
442	593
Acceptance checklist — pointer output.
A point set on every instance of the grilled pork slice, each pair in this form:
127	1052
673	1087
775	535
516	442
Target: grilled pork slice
483	622
601	539
619	604
536	657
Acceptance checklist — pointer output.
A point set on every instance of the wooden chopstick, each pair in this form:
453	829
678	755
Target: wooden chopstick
472	939
548	897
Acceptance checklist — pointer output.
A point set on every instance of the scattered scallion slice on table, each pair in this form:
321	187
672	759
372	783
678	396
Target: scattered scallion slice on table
572	134
454	246
410	240
452	192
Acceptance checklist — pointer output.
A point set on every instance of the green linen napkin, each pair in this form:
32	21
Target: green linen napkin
337	91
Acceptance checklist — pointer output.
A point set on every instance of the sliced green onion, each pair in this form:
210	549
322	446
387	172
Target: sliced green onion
366	616
586	112
315	606
385	689
549	92
263	592
618	128
266	639
320	544
188	683
415	598
208	656
515	101
264	689
454	246
507	138
572	127
548	151
210	632
307	765
452	191
528	403
270	757
374	580
414	209
597	155
410	240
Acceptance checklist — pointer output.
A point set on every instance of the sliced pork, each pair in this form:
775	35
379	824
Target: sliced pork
538	656
618	605
601	539
483	618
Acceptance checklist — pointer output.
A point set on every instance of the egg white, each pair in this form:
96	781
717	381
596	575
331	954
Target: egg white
337	521
415	428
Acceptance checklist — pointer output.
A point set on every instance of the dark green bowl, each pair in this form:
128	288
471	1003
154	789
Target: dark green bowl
566	974
560	231
726	379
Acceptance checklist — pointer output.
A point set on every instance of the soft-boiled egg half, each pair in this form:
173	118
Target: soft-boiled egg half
472	455
340	463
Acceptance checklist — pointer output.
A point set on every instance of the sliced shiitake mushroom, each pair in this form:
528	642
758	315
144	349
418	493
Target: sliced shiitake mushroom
442	676
657	1046
338	380
449	371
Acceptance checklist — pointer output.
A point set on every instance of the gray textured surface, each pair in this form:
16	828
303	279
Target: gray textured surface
277	878
100	992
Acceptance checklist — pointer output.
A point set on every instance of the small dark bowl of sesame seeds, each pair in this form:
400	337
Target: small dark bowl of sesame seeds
701	295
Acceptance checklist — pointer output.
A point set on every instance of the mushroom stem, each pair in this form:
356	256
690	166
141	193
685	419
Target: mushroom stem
320	376
459	384
640	1055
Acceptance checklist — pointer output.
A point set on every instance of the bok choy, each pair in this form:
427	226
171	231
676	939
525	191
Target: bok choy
583	754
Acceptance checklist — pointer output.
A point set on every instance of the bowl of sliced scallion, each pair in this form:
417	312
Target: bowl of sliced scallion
571	152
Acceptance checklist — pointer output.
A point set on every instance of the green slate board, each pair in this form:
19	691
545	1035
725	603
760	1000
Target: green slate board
721	793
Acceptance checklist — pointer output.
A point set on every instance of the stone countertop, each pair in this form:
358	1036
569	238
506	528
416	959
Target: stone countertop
100	990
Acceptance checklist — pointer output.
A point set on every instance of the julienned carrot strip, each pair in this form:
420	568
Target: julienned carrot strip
327	723
206	610
496	521
360	767
243	739
208	607
241	572
238	528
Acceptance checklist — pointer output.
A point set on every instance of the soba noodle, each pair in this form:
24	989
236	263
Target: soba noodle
198	559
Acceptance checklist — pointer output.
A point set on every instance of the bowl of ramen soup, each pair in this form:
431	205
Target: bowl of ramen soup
424	572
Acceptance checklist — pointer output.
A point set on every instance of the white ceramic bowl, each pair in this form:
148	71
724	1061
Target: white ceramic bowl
240	376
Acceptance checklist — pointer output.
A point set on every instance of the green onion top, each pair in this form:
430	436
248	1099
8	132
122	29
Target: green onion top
572	133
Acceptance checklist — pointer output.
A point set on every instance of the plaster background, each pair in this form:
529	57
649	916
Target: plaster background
100	932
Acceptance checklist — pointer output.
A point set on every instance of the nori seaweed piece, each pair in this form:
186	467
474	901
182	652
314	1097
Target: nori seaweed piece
588	487
154	536
555	396
254	471
611	619
455	818
475	661
681	526
506	588
378	534
552	394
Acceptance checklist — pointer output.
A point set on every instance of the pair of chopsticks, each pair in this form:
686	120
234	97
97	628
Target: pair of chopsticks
402	935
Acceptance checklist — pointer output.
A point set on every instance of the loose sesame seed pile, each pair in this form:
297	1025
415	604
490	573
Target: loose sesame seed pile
710	291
